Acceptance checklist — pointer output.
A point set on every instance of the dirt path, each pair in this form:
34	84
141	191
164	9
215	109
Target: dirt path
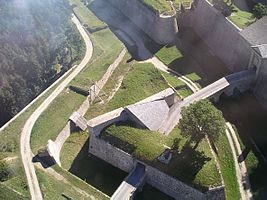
240	168
161	66
25	149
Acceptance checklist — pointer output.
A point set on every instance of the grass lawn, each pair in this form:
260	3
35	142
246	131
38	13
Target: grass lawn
193	166
181	88
143	80
241	18
85	15
171	55
162	6
94	171
227	166
8	193
69	186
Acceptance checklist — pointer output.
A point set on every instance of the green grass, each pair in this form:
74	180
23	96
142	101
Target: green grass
55	117
8	193
241	18
193	166
94	171
158	6
70	186
227	166
85	15
181	88
98	107
162	6
143	80
168	54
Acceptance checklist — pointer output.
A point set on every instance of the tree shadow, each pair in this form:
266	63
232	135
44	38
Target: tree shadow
186	164
96	172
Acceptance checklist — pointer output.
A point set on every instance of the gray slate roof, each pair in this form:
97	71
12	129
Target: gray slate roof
261	49
256	33
150	114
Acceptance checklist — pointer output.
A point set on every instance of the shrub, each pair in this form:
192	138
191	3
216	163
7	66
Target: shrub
4	171
260	10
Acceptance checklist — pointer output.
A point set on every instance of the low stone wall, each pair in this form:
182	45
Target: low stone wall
162	29
222	37
154	177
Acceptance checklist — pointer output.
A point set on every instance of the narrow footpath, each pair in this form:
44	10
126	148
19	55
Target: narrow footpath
161	66
25	148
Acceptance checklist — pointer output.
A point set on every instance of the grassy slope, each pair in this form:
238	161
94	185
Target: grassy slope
169	54
7	193
52	121
11	135
241	18
53	188
86	17
227	166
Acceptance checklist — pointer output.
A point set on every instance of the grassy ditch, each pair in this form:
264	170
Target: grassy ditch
62	187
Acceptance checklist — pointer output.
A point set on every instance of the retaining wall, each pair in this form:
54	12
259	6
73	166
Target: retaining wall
162	29
222	37
154	177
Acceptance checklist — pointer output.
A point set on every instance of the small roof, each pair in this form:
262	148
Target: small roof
261	49
150	114
256	33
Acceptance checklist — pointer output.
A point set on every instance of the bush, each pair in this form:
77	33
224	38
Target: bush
260	10
4	171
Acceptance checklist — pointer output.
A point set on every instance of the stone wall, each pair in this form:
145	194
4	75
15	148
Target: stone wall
154	177
162	29
171	186
219	34
110	154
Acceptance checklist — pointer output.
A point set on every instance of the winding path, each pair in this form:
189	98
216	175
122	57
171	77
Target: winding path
25	149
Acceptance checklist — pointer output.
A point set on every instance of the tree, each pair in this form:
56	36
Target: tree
201	119
260	10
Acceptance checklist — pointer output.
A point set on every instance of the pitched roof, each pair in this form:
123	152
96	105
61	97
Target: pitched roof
150	114
261	49
256	33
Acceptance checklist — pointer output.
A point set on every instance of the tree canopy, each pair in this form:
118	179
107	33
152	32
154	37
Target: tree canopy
201	119
37	41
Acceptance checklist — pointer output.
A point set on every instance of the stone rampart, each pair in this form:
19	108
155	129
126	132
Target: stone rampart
110	154
171	186
219	34
154	177
162	29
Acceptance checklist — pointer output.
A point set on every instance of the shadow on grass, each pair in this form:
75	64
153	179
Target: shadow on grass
186	164
124	29
96	172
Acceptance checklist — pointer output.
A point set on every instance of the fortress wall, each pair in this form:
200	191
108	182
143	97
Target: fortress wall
110	154
154	177
163	30
219	34
171	186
